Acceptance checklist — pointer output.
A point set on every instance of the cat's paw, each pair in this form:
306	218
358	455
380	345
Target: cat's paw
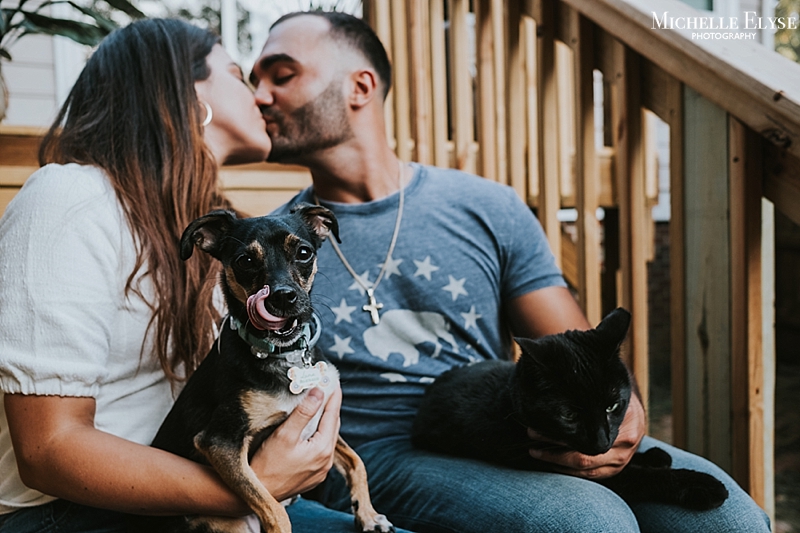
653	458
699	491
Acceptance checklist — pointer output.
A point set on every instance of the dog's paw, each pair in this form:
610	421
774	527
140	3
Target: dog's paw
377	523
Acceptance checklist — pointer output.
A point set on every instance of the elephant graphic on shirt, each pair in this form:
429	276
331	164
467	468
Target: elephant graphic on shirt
401	330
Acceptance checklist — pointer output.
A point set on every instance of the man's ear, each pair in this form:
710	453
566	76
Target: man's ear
205	233
320	220
364	87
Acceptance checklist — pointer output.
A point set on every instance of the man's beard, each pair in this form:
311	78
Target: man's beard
316	125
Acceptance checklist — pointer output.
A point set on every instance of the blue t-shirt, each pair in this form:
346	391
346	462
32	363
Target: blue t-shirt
466	247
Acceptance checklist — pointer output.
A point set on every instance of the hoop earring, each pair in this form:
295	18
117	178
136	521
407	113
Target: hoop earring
209	114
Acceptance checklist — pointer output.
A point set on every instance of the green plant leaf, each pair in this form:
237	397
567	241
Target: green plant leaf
4	54
127	8
6	15
79	32
104	23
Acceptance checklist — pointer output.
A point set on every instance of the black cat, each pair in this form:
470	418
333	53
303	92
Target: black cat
571	388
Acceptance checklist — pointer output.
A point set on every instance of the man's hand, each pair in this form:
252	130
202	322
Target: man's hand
599	466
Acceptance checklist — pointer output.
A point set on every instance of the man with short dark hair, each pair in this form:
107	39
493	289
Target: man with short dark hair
434	266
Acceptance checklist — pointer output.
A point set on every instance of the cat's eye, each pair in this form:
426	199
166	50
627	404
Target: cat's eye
569	416
612	408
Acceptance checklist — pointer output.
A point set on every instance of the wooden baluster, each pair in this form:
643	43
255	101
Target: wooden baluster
487	99
582	45
378	16
626	121
549	126
461	87
515	95
422	122
747	348
402	87
441	156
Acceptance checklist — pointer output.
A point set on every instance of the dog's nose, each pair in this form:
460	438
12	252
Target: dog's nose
283	296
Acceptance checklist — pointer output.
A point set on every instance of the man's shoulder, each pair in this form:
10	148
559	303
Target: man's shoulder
435	183
465	187
462	177
303	196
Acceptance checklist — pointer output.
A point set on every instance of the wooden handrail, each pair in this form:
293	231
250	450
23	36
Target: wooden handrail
743	77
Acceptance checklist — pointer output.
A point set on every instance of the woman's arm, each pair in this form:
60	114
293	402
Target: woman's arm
59	452
554	310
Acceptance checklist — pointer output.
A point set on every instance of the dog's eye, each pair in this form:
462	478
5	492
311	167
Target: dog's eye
304	254
613	408
244	261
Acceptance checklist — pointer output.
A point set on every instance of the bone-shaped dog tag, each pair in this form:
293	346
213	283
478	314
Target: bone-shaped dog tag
307	377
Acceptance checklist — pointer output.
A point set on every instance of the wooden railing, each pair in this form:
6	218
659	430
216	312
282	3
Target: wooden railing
254	189
525	117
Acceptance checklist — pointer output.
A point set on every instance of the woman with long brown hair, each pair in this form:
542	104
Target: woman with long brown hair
100	321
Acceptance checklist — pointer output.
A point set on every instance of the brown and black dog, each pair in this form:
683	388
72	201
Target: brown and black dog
261	365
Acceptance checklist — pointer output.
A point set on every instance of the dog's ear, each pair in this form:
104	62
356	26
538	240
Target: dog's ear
205	233
319	220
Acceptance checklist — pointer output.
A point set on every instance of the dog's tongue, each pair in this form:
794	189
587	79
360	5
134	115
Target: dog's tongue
258	314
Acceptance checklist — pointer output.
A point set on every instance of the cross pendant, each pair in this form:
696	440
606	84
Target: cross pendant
372	307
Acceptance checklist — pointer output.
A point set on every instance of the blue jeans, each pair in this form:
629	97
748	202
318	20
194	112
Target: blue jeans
62	516
312	517
431	493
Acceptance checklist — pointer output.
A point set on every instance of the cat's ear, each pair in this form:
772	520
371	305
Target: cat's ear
530	348
614	327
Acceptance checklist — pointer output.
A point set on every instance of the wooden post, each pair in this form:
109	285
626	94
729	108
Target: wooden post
768	345
708	279
782	181
663	95
626	122
672	114
747	372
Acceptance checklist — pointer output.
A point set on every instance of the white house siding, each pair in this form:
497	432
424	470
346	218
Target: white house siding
30	78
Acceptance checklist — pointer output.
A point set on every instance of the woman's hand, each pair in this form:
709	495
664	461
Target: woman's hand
288	465
599	466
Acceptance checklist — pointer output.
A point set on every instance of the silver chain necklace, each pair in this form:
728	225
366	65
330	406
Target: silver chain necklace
373	306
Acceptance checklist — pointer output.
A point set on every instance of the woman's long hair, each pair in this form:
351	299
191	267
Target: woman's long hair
134	113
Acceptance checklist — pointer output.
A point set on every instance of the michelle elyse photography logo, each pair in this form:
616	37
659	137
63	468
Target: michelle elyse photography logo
724	28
